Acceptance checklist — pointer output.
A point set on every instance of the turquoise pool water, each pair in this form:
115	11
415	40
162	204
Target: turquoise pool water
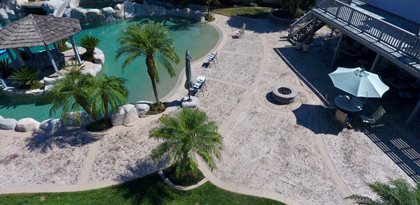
198	38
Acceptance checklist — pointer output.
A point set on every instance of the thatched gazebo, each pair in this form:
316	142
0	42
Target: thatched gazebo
38	30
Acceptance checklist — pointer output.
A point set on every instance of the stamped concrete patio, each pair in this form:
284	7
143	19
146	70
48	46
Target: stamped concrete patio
296	151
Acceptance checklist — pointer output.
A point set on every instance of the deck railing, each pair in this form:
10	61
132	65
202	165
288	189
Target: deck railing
392	36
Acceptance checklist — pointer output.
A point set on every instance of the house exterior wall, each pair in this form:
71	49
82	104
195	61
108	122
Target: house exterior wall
409	9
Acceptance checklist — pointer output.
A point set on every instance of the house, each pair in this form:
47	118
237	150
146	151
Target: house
390	28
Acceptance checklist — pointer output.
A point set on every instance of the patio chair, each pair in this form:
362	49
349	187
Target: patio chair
342	118
375	117
212	58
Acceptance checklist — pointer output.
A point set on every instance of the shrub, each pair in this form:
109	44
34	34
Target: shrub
209	18
25	76
89	42
62	45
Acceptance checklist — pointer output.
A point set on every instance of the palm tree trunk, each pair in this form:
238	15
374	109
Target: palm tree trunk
105	104
151	69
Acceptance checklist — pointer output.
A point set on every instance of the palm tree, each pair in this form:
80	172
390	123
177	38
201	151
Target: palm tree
108	92
150	40
186	133
72	93
398	192
94	95
89	42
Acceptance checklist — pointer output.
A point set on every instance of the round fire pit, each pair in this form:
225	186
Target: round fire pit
283	94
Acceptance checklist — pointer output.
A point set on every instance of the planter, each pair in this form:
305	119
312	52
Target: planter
178	187
305	47
299	45
284	94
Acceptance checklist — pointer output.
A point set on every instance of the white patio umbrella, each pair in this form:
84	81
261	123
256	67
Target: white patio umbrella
358	82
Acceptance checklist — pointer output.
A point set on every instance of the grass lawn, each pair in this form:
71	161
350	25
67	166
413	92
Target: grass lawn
253	12
147	190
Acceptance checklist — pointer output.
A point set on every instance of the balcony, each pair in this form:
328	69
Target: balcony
390	36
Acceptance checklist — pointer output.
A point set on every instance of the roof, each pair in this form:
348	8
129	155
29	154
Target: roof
35	30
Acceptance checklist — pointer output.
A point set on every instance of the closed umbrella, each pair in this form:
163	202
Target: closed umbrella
188	83
358	82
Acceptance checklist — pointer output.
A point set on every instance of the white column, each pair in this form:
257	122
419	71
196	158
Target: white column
337	50
51	59
18	57
413	114
76	52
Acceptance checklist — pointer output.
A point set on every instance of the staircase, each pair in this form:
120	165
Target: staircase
303	27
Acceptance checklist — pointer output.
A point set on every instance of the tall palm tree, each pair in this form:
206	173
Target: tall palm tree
152	41
108	93
72	93
186	133
397	192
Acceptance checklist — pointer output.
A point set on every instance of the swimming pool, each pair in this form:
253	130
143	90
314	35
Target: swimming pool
198	38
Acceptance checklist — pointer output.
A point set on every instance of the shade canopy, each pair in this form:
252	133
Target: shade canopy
37	30
358	82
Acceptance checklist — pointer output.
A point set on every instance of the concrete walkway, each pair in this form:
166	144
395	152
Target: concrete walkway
293	153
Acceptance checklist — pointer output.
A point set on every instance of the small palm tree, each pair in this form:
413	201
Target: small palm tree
108	93
397	192
150	40
89	42
72	93
186	133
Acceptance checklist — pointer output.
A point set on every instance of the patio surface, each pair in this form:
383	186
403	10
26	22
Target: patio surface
295	150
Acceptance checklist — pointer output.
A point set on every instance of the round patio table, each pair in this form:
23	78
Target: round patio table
348	104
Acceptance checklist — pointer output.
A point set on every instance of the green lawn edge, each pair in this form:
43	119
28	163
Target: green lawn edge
252	12
146	190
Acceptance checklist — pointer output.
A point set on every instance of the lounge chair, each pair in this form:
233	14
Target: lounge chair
212	58
200	84
375	117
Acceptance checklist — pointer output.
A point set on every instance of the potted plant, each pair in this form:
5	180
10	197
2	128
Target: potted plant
306	45
299	44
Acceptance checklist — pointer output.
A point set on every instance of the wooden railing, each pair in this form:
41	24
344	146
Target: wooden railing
392	36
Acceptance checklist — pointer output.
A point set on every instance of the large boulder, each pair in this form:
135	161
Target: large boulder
3	14
99	56
119	11
77	119
67	12
142	109
7	123
79	13
108	11
159	11
50	126
27	125
95	16
129	9
125	115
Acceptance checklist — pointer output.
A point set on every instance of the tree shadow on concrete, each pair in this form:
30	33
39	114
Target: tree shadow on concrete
149	189
61	139
317	118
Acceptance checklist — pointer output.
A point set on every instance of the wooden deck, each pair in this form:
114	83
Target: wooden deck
391	42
